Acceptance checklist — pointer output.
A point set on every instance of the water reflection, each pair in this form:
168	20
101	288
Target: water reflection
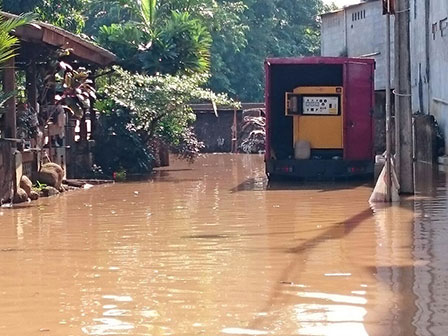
212	249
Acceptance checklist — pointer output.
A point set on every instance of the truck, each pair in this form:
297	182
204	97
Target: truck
319	117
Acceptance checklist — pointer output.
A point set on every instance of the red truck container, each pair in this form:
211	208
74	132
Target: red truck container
319	117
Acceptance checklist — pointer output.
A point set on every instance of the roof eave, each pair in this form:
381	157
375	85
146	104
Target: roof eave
39	32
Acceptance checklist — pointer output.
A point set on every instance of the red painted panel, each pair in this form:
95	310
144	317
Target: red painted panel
317	60
358	126
267	93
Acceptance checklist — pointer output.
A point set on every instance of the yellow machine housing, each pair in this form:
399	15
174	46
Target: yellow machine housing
318	115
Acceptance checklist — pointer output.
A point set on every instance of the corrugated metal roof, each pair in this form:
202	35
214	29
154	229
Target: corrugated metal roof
40	32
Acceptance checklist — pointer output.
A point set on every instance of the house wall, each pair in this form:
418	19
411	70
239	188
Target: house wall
359	30
429	59
333	34
362	34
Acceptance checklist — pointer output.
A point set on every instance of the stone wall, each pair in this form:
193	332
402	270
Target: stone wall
216	131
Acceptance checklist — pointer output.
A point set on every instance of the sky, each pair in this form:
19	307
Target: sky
341	3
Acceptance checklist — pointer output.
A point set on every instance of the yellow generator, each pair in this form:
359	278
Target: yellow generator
317	114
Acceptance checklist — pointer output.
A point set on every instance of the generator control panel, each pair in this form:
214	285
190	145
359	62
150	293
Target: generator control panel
320	105
314	101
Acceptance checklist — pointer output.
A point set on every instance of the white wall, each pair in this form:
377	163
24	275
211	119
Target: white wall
439	63
333	34
429	59
360	30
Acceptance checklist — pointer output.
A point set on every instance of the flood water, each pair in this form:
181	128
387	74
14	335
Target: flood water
212	249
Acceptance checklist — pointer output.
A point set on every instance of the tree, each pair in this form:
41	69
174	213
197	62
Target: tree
158	41
8	44
276	28
136	109
66	14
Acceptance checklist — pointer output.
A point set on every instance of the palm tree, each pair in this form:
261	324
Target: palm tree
160	39
8	43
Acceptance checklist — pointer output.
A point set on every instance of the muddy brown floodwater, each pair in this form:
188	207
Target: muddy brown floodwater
212	249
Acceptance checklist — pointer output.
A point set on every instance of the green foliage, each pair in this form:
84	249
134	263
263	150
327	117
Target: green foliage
101	13
8	42
8	46
230	38
119	148
140	108
125	40
19	6
276	28
148	12
67	14
181	45
158	101
73	88
4	96
120	176
38	187
176	45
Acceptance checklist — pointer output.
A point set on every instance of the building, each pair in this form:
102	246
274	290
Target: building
359	31
429	59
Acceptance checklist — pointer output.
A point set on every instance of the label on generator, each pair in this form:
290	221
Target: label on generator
320	105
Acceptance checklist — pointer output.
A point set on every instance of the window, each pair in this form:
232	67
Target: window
359	15
444	27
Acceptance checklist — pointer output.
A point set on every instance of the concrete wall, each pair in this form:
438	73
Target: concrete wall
429	60
333	34
419	41
216	132
438	54
359	30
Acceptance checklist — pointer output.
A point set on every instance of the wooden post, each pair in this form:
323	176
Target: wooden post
83	128
9	85
93	116
31	86
234	132
403	110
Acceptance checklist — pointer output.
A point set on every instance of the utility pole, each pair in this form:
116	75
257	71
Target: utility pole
403	111
388	114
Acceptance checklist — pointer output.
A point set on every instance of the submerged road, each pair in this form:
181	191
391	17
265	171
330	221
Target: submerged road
212	249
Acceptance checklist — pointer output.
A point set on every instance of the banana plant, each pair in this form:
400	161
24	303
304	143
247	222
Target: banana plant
148	10
8	42
8	45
